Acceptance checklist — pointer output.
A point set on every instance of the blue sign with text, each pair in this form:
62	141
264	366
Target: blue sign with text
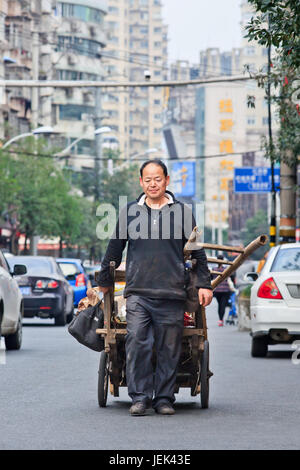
255	179
183	178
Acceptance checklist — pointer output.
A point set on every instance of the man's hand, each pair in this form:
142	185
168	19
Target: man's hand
205	297
104	290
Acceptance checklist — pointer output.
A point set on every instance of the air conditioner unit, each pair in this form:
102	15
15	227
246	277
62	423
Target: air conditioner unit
72	59
93	31
69	92
87	96
73	26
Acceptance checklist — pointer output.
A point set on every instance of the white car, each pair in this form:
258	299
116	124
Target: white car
11	305
275	300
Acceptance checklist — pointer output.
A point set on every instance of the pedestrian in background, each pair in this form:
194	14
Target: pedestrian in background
222	293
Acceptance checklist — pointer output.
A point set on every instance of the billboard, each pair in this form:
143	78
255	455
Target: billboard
183	178
255	179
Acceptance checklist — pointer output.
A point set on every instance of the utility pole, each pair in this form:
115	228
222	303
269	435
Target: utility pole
35	76
288	182
271	147
98	143
35	110
220	229
298	205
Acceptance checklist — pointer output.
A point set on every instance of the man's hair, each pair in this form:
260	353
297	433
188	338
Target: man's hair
156	161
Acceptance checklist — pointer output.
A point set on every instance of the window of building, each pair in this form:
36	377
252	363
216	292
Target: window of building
157	73
81	46
112	113
157	102
251	120
113	10
144	30
157	30
157	44
144	44
82	12
74	112
265	121
113	40
113	25
74	75
250	50
110	97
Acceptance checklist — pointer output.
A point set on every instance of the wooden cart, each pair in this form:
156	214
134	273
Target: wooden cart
193	370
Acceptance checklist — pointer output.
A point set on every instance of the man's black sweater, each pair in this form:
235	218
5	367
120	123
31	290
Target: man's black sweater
156	238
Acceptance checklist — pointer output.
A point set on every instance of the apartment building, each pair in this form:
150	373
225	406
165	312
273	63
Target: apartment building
137	41
77	55
17	21
225	125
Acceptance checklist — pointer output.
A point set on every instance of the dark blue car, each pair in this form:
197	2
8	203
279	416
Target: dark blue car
74	272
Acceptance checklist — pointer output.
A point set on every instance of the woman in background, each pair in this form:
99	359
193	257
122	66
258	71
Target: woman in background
222	292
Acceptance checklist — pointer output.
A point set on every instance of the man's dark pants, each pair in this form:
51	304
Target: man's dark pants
158	322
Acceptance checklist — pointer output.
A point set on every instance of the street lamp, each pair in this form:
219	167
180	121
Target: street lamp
39	130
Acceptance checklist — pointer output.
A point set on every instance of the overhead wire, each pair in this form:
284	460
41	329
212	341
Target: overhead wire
109	54
122	159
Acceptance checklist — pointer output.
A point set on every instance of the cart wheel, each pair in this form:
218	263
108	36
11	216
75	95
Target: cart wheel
204	376
103	379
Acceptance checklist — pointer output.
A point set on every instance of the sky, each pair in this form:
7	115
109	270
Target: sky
195	25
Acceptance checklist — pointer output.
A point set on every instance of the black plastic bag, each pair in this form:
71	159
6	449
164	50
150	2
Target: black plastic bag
192	299
83	327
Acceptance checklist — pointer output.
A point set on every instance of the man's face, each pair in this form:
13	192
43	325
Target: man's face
154	182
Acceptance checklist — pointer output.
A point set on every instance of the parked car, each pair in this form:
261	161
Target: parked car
90	271
275	299
46	292
11	304
75	274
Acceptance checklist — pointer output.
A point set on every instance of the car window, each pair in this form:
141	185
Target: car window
3	262
287	259
34	265
58	268
69	269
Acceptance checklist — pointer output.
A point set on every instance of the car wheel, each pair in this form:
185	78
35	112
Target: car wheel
259	347
61	319
1	316
14	341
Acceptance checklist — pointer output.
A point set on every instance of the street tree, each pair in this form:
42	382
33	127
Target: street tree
276	25
255	226
35	190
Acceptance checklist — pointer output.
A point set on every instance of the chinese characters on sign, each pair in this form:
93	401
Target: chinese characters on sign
255	180
226	125
183	178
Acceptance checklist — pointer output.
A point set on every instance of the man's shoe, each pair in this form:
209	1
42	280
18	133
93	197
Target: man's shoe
138	409
165	409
